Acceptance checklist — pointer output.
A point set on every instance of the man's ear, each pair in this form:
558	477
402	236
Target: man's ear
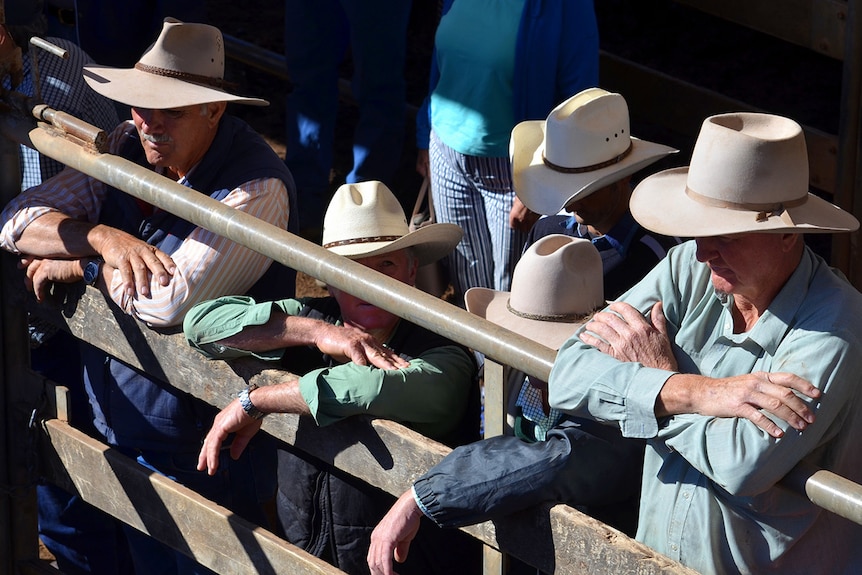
414	269
215	110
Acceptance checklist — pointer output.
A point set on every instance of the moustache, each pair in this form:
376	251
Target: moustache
164	138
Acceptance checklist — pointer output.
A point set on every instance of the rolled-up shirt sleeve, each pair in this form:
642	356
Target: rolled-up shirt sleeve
208	264
445	374
209	322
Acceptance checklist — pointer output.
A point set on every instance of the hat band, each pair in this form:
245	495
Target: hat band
185	76
559	318
366	240
763	210
594	167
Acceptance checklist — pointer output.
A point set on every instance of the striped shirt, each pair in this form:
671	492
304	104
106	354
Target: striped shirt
207	265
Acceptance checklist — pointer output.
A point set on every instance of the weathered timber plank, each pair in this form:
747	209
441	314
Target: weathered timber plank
380	452
171	512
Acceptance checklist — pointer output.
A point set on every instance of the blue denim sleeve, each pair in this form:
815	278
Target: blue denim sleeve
577	465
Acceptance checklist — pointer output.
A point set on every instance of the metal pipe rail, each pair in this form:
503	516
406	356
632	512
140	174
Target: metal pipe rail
414	305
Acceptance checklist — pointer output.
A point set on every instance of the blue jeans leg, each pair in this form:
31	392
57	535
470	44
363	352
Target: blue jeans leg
314	43
378	36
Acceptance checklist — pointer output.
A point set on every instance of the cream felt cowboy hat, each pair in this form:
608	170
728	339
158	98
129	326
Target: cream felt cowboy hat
366	219
584	145
748	173
556	286
184	67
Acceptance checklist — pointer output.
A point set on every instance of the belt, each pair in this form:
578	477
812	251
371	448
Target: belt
65	16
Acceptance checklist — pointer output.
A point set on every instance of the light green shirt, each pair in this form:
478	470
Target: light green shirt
430	395
709	497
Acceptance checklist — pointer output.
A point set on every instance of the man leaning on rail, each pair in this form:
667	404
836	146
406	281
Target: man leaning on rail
352	358
154	265
722	357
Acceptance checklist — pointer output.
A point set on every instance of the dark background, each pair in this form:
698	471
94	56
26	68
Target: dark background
749	66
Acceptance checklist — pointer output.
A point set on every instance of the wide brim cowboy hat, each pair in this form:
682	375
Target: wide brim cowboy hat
556	286
584	145
184	67
748	174
366	219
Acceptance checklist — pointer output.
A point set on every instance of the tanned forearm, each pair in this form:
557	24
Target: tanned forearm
280	331
740	396
55	235
281	398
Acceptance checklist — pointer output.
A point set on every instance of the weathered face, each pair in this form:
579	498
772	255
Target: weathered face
177	138
747	264
358	313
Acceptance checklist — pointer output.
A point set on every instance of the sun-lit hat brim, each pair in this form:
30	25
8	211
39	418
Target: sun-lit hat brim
493	306
546	191
429	243
660	204
141	89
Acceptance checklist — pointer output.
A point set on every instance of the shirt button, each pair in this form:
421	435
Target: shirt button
673	547
685	495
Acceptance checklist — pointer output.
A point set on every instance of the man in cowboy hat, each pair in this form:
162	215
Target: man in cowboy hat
581	160
151	263
369	362
703	334
594	155
736	358
556	287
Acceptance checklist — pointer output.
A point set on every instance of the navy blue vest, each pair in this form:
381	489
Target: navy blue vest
135	410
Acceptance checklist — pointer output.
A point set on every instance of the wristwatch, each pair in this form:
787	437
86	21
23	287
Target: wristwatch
245	401
91	271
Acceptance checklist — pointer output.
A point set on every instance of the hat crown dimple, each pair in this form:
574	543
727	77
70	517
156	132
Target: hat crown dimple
363	210
749	158
586	131
188	48
558	275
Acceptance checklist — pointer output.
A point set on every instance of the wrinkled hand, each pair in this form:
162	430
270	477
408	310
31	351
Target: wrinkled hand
232	419
41	273
136	261
741	396
628	336
520	216
348	343
393	535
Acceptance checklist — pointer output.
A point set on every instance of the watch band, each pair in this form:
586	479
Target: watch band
245	401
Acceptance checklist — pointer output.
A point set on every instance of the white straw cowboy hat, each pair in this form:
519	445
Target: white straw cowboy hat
584	145
184	67
748	173
366	219
556	286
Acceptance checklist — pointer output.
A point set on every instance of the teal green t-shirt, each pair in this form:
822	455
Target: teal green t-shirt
471	106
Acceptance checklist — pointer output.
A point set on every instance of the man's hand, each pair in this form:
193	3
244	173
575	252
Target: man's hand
348	343
520	217
232	419
41	273
393	535
136	260
628	336
741	396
